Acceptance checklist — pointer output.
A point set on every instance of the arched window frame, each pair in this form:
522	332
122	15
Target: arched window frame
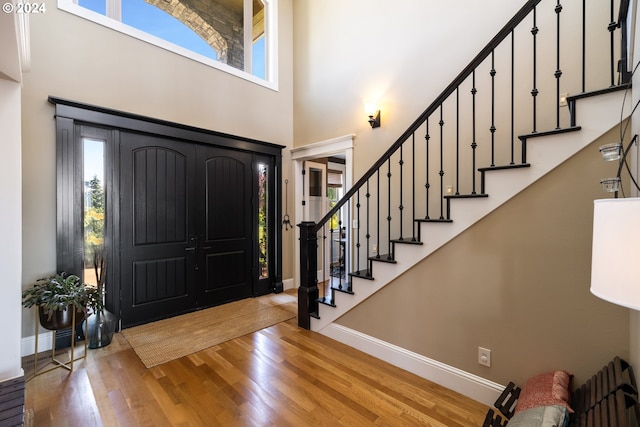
113	18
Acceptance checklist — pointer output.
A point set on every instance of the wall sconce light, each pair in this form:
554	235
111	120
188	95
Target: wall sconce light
612	152
373	112
615	272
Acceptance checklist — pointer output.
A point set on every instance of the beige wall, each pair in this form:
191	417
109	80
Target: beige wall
79	60
402	55
517	283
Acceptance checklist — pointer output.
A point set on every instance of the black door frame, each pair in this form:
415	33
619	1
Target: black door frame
69	114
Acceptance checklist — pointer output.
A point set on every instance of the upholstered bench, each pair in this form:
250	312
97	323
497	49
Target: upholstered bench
608	399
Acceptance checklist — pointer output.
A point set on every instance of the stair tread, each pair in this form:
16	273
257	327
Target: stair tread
383	258
623	86
548	132
407	241
363	274
433	220
466	196
325	301
347	288
505	167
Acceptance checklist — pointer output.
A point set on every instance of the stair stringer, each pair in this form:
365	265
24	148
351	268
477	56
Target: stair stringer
596	116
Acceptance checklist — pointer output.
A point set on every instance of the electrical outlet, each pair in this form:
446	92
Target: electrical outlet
375	248
449	190
563	99
354	224
484	356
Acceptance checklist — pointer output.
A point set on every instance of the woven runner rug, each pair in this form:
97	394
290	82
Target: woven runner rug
165	340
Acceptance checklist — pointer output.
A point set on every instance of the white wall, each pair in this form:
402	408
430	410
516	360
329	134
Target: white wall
10	194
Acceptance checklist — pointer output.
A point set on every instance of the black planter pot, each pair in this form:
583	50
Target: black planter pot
61	319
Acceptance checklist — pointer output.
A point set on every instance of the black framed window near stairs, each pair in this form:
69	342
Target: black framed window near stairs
187	215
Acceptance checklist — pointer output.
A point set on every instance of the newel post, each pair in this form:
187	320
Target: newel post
308	290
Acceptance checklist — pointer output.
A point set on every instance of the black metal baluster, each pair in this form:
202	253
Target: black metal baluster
413	187
427	185
401	206
558	72
331	252
534	91
358	233
323	264
492	129
513	94
441	123
584	45
368	235
389	254
378	193
457	140
612	28
474	144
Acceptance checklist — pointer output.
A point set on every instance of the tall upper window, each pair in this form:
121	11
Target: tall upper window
237	36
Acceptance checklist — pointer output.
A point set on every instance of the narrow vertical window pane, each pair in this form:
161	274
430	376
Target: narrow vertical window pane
263	220
259	52
94	205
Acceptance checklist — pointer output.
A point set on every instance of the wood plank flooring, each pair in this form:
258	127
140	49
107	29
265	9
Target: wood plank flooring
279	376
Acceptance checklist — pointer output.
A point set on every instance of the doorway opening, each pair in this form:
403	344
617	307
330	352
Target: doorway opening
315	166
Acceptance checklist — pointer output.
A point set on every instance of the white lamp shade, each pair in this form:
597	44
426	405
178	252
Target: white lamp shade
615	263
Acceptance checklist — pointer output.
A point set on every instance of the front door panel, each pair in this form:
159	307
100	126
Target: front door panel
225	222
157	221
186	227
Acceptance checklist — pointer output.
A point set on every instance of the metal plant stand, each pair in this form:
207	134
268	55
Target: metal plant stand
58	363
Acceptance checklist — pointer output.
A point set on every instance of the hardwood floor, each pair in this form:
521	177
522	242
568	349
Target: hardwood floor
279	376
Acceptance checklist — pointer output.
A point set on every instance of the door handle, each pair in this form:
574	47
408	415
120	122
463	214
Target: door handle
193	251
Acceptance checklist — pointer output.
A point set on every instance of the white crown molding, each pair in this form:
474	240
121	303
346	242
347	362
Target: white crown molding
323	148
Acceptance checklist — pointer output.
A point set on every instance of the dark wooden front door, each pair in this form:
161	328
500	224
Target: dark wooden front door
186	224
224	218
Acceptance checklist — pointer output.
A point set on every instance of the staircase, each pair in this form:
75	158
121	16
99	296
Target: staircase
405	208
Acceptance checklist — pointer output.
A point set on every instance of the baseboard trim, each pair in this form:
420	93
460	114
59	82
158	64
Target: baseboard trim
288	284
28	344
470	385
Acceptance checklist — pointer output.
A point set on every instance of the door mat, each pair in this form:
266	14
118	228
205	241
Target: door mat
165	340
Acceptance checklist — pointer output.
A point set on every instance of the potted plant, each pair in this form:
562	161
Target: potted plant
57	296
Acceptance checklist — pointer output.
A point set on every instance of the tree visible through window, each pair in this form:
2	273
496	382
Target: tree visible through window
94	203
263	222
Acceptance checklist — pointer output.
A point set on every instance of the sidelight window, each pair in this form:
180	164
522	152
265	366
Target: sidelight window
263	221
93	205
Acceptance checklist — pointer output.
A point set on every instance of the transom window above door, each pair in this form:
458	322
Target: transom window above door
236	36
